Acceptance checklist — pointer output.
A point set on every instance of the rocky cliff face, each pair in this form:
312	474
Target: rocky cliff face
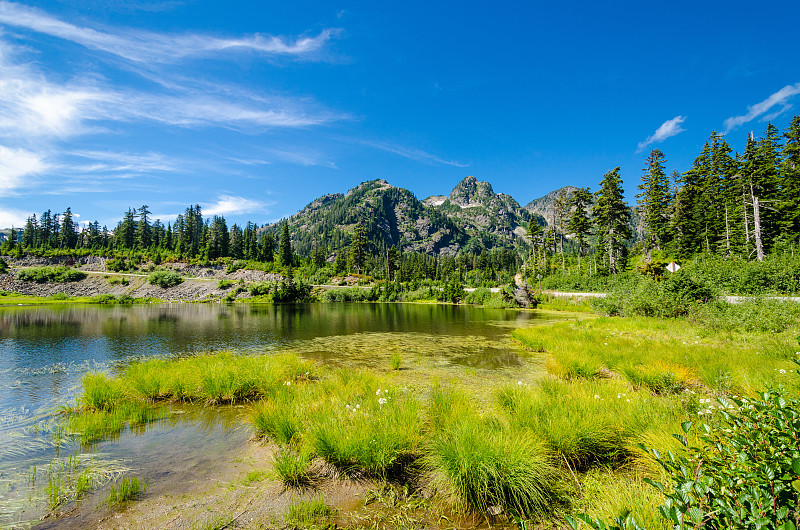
471	218
544	206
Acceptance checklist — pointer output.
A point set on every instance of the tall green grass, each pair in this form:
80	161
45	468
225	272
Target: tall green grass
481	466
664	356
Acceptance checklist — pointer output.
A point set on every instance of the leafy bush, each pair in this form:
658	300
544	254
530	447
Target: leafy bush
260	288
50	274
351	294
165	279
118	280
224	284
120	265
745	473
676	295
753	315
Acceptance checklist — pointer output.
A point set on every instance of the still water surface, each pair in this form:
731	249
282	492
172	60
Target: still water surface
44	351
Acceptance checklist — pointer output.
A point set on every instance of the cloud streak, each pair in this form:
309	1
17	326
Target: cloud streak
413	154
667	129
233	205
33	107
778	99
16	167
148	47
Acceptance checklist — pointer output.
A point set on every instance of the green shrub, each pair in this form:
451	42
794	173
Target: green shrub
224	284
165	279
746	473
637	295
3	266
50	274
743	473
118	280
120	265
260	288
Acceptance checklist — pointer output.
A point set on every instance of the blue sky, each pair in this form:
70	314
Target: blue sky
254	109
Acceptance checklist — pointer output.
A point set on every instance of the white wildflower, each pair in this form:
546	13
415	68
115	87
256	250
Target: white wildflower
382	401
378	392
596	396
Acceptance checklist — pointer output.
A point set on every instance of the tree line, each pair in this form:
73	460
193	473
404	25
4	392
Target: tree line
732	205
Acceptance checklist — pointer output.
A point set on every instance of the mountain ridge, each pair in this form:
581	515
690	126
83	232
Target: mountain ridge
471	218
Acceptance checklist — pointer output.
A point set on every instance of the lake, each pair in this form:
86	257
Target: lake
45	350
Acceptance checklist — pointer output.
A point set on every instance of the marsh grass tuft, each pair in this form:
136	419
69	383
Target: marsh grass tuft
127	489
395	360
292	466
303	512
480	466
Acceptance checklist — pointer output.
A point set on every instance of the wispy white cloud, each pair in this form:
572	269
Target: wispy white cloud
113	162
667	129
412	153
33	107
778	99
17	166
233	205
150	47
302	158
12	217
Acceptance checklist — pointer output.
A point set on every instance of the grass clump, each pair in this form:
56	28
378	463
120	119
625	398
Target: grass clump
127	489
293	466
377	435
583	423
395	360
165	279
480	466
50	274
303	512
118	280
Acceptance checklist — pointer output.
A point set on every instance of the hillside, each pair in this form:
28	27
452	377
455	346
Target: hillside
472	217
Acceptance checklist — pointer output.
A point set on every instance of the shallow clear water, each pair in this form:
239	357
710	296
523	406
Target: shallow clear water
44	351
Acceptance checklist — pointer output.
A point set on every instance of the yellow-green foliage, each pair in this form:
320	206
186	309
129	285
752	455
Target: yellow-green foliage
214	378
664	355
481	464
585	422
609	495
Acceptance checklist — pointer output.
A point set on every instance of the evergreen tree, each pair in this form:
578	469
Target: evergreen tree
68	234
143	229
236	242
767	184
266	251
358	248
654	201
126	230
285	247
217	238
611	216
790	203
579	223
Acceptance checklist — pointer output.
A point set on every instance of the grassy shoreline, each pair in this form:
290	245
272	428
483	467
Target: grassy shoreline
565	443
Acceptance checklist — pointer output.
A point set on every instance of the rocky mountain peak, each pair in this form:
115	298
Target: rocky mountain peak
471	192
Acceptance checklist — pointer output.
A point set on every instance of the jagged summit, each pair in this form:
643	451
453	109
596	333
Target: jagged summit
471	218
471	193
